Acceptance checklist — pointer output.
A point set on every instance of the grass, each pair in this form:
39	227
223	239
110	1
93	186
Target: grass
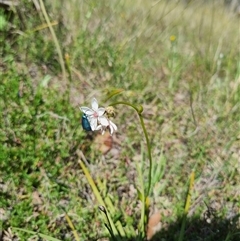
172	58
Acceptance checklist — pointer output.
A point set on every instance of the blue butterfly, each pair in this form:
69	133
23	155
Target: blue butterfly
85	123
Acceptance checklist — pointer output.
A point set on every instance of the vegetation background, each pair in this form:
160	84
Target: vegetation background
179	59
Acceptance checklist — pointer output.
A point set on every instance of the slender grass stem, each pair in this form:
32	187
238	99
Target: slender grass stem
72	227
54	38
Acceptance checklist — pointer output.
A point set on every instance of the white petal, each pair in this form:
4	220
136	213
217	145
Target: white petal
99	127
94	104
93	123
113	125
103	121
100	111
110	130
86	110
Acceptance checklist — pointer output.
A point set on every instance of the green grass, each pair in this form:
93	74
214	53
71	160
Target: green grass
181	62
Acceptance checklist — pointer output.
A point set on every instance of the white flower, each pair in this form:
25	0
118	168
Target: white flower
95	115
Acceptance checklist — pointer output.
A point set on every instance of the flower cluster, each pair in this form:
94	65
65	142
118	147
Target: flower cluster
97	118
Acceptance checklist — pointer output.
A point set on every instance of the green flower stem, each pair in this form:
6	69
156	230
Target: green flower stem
142	198
139	110
149	154
145	209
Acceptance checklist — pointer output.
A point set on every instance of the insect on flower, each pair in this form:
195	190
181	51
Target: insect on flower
95	116
95	119
85	123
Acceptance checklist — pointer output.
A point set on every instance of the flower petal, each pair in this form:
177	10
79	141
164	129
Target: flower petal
93	123
94	104
103	121
100	111
99	127
112	127
87	110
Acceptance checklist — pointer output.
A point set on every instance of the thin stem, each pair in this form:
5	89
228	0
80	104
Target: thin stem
67	61
54	38
139	110
149	154
145	208
72	227
142	197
